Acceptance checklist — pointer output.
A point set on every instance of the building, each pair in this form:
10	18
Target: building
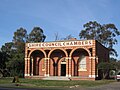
73	59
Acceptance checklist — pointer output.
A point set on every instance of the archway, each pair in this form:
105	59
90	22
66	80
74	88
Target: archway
56	56
79	61
37	64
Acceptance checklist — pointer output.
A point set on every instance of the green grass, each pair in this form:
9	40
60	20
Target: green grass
52	83
65	83
5	80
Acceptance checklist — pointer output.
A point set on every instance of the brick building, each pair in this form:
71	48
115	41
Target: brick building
73	59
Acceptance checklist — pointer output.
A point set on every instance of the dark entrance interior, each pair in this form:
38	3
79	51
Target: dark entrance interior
63	69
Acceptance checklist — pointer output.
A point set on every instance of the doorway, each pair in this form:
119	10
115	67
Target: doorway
63	69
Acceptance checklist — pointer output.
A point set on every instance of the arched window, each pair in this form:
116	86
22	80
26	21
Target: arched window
82	62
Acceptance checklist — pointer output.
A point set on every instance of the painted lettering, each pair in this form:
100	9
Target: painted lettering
60	44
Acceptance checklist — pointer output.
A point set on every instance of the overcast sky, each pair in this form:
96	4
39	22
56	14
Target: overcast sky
56	16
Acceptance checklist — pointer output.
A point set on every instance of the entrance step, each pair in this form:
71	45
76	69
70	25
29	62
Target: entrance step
61	78
56	78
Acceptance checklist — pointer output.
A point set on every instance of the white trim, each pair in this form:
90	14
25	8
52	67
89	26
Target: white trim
82	69
63	62
46	58
27	74
67	58
47	75
67	75
96	75
93	76
92	57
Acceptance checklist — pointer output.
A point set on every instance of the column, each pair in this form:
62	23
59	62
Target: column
92	67
26	68
45	67
96	67
28	63
67	67
70	69
59	68
48	60
32	67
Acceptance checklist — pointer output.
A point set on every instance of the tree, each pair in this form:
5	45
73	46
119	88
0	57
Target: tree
118	65
57	37
16	63
6	51
105	68
105	34
19	39
12	53
36	35
20	35
2	61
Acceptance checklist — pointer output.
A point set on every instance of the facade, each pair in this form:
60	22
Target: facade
73	59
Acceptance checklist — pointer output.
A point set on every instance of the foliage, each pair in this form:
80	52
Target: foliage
12	53
6	51
16	64
36	35
20	35
118	65
105	34
105	67
2	61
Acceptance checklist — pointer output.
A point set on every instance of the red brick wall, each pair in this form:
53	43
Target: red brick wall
102	52
41	67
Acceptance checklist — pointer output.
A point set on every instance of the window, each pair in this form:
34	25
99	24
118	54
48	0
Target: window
82	63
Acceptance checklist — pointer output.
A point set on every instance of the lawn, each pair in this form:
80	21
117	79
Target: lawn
51	83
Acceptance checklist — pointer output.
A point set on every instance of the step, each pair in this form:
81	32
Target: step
56	78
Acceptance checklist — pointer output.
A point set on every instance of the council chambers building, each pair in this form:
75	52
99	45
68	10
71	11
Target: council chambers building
72	59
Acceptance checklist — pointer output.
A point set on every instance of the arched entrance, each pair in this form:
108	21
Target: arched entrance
37	63
79	61
57	64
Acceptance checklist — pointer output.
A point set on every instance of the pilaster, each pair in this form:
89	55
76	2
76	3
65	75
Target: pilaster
70	69
92	69
32	66
67	67
26	68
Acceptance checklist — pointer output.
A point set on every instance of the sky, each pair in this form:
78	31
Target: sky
65	17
